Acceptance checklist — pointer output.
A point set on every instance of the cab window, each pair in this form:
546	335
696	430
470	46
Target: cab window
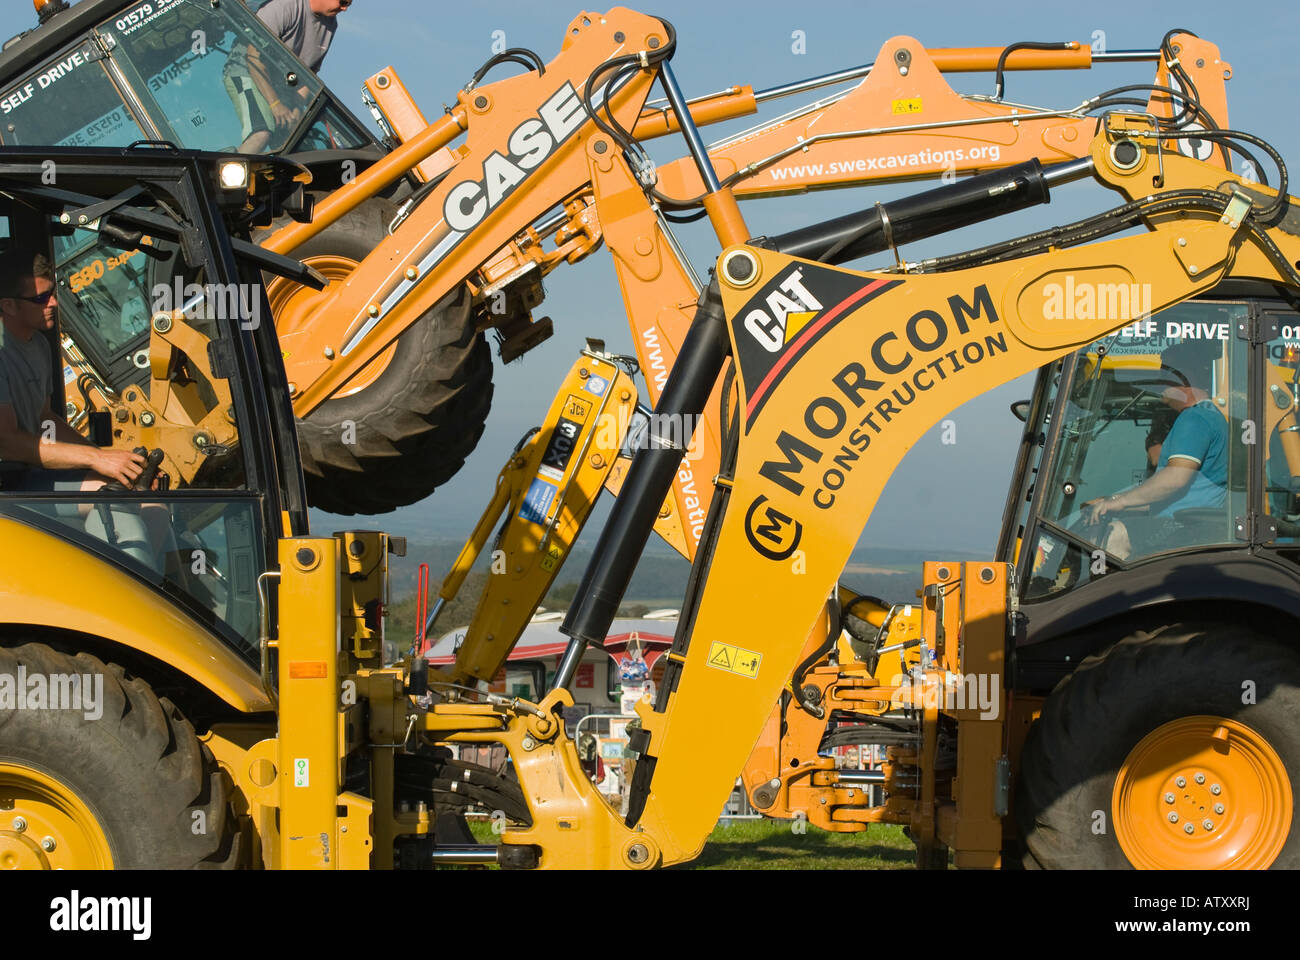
69	101
197	534
213	75
1154	446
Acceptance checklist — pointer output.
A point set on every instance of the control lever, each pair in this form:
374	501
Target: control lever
153	458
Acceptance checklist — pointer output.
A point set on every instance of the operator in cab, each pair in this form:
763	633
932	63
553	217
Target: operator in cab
1191	468
39	450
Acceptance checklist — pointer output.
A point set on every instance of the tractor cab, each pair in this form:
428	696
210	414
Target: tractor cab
1173	440
199	75
209	410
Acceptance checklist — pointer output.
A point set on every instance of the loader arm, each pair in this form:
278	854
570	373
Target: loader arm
658	287
825	417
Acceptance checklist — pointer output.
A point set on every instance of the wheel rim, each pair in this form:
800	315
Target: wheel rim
1217	776
293	306
44	825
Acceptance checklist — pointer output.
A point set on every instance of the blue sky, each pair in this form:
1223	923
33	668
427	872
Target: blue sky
941	495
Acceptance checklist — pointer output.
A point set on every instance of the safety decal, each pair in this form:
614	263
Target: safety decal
734	659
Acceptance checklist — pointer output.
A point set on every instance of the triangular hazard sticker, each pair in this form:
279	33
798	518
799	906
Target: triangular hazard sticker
720	659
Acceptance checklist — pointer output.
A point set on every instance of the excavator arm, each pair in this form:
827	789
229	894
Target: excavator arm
957	133
827	411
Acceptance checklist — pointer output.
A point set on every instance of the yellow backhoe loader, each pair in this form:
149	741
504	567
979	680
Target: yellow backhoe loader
246	712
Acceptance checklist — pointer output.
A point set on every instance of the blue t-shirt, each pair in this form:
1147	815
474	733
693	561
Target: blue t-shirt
1199	433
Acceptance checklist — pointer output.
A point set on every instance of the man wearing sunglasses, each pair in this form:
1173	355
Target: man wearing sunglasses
304	26
52	454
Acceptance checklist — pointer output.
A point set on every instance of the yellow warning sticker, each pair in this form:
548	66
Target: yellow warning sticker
733	659
909	105
552	557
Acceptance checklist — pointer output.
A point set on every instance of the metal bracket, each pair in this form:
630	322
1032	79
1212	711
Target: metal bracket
1255	528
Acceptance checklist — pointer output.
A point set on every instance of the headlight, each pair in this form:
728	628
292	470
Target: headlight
233	174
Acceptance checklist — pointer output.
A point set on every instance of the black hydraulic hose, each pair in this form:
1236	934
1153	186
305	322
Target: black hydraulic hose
650	477
921	215
520	55
998	84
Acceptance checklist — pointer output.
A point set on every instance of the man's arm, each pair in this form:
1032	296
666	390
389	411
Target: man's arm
22	447
1167	483
283	114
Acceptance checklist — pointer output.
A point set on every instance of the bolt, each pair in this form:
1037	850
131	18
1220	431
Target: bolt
1182	241
305	556
1169	798
1188	828
82	219
329	353
162	323
120	415
146	419
293	388
48	844
373	310
1218	808
20	824
200	439
619	37
1200	778
1192	269
1173	817
1181	781
1208	824
653	43
823	801
480	102
637	853
529	743
600	146
412	273
1216	789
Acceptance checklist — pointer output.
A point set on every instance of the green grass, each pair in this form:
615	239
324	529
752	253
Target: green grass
775	845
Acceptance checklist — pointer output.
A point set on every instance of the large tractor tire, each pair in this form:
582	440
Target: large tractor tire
1189	725
130	787
404	425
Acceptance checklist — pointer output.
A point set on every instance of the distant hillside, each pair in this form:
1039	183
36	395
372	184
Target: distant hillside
892	573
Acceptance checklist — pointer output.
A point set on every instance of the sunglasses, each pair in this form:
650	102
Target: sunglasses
41	299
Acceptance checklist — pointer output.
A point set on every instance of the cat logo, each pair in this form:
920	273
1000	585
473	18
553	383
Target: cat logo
789	308
770	532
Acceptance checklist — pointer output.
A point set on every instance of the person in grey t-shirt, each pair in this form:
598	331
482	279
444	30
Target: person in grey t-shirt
31	433
304	26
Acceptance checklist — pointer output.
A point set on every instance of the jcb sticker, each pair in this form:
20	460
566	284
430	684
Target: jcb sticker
908	105
733	659
577	408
